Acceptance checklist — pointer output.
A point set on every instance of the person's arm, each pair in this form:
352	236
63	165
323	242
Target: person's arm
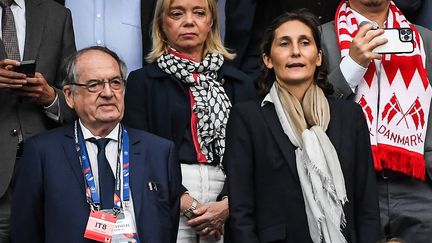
238	162
366	209
37	89
346	74
65	113
27	213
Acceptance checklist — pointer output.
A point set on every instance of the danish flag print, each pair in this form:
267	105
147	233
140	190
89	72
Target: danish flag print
366	109
417	114
391	109
415	111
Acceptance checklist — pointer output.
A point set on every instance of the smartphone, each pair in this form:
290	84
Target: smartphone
400	40
26	67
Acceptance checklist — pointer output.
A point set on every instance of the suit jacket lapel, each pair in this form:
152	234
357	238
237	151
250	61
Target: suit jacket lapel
136	172
35	20
72	156
281	138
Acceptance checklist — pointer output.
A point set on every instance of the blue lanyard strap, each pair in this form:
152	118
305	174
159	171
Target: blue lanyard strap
125	165
125	169
91	194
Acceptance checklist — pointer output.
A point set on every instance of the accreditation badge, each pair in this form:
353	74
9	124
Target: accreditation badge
125	230
100	226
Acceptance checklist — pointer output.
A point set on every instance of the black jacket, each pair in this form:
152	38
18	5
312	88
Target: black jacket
266	200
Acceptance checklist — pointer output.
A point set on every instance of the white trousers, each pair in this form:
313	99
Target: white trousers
204	183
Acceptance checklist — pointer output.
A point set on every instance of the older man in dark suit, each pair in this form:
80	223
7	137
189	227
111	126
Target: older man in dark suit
43	32
96	178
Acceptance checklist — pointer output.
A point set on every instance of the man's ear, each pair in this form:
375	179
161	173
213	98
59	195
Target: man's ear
68	93
267	61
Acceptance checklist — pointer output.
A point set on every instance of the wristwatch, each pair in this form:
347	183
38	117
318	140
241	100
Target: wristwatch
188	213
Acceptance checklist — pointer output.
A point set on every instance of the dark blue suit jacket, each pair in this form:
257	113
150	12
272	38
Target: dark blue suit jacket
49	194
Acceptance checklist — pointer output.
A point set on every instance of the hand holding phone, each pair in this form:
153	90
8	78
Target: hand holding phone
26	67
400	40
364	42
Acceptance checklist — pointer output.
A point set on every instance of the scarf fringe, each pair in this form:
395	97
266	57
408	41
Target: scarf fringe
399	160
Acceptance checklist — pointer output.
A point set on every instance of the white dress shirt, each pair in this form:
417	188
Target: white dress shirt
111	154
18	10
115	24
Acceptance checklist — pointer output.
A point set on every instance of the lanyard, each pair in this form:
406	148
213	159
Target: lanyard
91	194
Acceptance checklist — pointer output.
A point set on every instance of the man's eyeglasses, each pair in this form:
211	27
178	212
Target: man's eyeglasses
96	86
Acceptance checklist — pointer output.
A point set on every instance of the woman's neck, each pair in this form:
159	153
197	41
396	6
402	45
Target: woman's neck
296	89
193	56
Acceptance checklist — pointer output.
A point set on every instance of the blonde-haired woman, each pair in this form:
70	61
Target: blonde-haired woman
185	94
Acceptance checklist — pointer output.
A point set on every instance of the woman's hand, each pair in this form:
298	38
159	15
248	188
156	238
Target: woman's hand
210	219
185	202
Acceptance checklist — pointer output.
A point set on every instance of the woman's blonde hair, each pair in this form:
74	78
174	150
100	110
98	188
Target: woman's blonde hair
213	43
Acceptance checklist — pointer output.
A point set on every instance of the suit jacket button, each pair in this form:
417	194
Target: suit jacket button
14	132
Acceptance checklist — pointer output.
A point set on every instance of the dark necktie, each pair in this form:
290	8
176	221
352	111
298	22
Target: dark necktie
9	35
106	176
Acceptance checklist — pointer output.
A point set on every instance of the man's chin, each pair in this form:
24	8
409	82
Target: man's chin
107	119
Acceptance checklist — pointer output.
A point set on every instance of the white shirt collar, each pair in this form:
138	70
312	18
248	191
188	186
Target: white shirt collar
20	3
360	18
113	135
267	99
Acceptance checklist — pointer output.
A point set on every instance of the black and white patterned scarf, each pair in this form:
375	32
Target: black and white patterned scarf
212	105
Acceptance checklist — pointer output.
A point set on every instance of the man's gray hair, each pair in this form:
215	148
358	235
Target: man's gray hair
69	69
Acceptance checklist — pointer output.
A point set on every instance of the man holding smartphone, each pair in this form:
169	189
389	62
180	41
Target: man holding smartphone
395	93
39	30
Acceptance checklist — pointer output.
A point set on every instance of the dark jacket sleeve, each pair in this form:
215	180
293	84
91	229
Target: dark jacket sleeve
175	179
366	211
68	47
27	213
238	162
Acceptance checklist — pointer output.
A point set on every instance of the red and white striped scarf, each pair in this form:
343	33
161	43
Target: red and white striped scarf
395	97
